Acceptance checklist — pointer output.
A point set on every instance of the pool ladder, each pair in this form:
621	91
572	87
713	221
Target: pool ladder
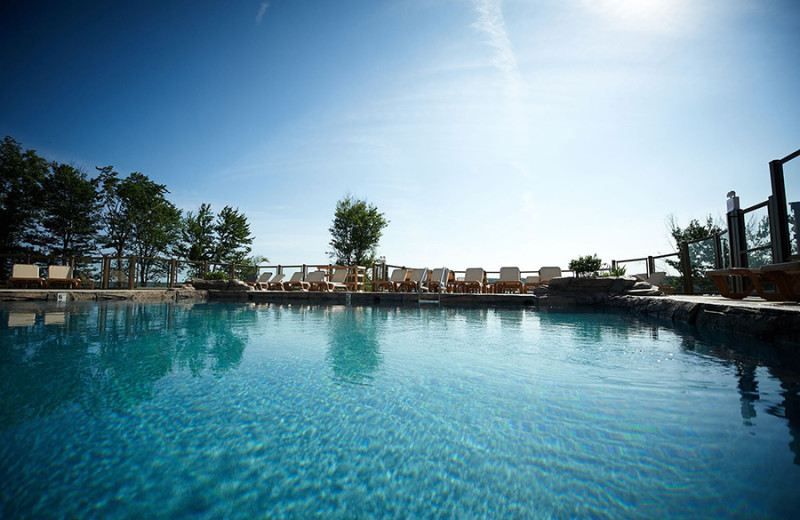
442	284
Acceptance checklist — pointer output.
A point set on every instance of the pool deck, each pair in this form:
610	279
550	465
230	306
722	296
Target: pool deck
753	316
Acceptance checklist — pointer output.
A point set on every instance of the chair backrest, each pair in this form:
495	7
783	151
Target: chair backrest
264	278
278	278
656	278
59	272
297	277
316	276
509	274
474	274
418	274
398	275
548	273
532	278
436	274
25	271
339	275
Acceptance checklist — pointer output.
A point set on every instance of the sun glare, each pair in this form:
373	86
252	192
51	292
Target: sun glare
644	15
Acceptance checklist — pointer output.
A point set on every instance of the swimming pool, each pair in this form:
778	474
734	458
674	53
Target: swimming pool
243	411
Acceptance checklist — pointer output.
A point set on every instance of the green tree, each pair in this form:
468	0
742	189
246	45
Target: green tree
233	237
356	231
155	223
198	241
71	212
21	176
586	265
139	220
701	254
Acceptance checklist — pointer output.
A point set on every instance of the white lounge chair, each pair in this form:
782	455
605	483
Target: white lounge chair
548	273
397	276
276	283
474	280
414	281
296	282
510	280
24	275
61	276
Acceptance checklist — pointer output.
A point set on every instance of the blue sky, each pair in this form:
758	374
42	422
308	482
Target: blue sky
490	133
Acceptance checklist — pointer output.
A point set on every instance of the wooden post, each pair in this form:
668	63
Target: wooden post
104	272
132	272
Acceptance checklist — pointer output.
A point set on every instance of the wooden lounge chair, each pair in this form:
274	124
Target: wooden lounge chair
261	282
474	281
436	279
783	277
510	281
296	282
786	277
397	276
61	276
276	283
531	283
415	280
548	273
751	280
24	275
316	281
338	279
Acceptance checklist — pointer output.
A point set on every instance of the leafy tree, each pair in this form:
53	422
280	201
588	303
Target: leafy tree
233	237
586	265
118	231
198	237
139	220
71	212
701	254
356	231
21	175
155	223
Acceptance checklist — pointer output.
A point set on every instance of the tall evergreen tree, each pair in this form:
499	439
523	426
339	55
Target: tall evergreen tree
233	237
21	175
71	212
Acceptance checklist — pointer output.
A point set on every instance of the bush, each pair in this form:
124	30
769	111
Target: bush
586	265
216	275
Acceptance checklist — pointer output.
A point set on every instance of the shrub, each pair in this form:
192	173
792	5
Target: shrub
216	275
586	265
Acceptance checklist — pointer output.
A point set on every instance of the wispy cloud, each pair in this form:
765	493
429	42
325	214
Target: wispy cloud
491	23
261	11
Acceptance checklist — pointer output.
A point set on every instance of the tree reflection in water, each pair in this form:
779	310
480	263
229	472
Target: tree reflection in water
354	351
110	356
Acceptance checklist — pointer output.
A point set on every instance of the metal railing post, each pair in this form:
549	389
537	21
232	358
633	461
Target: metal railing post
778	214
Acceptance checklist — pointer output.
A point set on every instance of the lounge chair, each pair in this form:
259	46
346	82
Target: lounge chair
436	279
415	280
338	279
24	275
776	275
296	282
474	281
531	282
316	281
397	276
61	276
276	283
510	280
261	282
786	277
548	273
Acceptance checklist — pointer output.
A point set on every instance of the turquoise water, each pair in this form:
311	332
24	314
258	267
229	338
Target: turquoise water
242	411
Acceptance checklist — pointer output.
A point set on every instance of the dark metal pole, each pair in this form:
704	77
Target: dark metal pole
781	249
686	267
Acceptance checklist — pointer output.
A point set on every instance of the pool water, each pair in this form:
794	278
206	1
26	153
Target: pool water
218	410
